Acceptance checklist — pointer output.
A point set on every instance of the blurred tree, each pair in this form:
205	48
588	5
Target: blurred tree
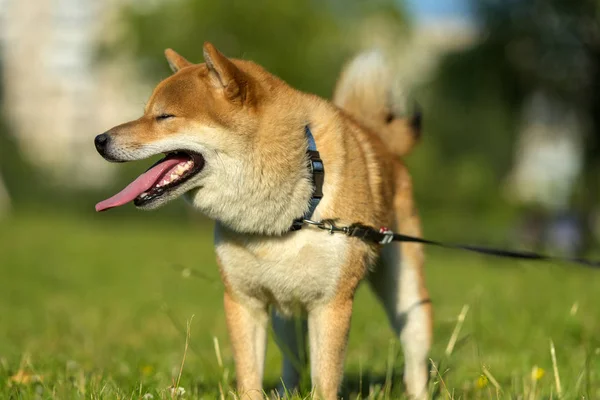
304	41
13	169
528	46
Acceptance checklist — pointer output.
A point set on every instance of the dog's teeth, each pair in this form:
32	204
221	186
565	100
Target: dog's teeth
176	173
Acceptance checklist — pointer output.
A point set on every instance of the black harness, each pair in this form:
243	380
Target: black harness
318	176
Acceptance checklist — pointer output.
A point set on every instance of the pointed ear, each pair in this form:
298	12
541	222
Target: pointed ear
176	62
225	74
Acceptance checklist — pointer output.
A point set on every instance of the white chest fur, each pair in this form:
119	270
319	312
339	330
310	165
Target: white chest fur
301	269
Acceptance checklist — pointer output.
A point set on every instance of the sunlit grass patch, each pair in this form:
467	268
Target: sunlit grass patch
99	309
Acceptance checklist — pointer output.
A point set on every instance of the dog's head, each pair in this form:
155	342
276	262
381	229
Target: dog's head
210	120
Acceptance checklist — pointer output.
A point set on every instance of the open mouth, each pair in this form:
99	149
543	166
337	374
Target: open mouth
161	178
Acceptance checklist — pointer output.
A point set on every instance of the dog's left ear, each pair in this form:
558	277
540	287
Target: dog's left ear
176	62
225	74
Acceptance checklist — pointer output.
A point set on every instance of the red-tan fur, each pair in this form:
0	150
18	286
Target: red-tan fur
249	126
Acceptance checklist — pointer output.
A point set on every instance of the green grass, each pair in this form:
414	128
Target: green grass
97	308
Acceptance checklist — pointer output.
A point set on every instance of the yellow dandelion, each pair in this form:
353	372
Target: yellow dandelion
482	381
24	378
147	370
537	373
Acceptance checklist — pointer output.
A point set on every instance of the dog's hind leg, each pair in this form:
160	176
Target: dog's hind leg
290	335
398	282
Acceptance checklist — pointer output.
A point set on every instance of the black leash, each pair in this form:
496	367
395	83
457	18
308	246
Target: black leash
385	236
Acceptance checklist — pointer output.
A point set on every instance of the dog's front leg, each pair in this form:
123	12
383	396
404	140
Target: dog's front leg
328	328
247	326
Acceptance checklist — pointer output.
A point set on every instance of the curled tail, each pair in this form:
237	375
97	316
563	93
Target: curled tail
367	91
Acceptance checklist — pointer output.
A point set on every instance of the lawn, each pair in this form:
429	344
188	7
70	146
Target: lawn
97	308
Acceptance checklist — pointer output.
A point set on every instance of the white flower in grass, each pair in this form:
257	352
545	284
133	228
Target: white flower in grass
177	391
148	396
72	365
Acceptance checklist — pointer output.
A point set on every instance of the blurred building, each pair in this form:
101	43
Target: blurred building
548	156
57	95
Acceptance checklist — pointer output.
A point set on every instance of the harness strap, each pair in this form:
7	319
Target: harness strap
318	176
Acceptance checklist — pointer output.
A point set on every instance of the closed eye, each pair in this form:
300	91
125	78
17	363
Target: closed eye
164	116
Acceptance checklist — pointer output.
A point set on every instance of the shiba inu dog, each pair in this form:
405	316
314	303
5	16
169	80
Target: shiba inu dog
236	139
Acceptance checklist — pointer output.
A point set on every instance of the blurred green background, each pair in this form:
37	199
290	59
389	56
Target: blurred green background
510	93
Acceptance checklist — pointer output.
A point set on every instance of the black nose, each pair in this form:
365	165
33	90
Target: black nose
101	141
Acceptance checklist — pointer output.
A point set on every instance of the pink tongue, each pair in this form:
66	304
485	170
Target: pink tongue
141	184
